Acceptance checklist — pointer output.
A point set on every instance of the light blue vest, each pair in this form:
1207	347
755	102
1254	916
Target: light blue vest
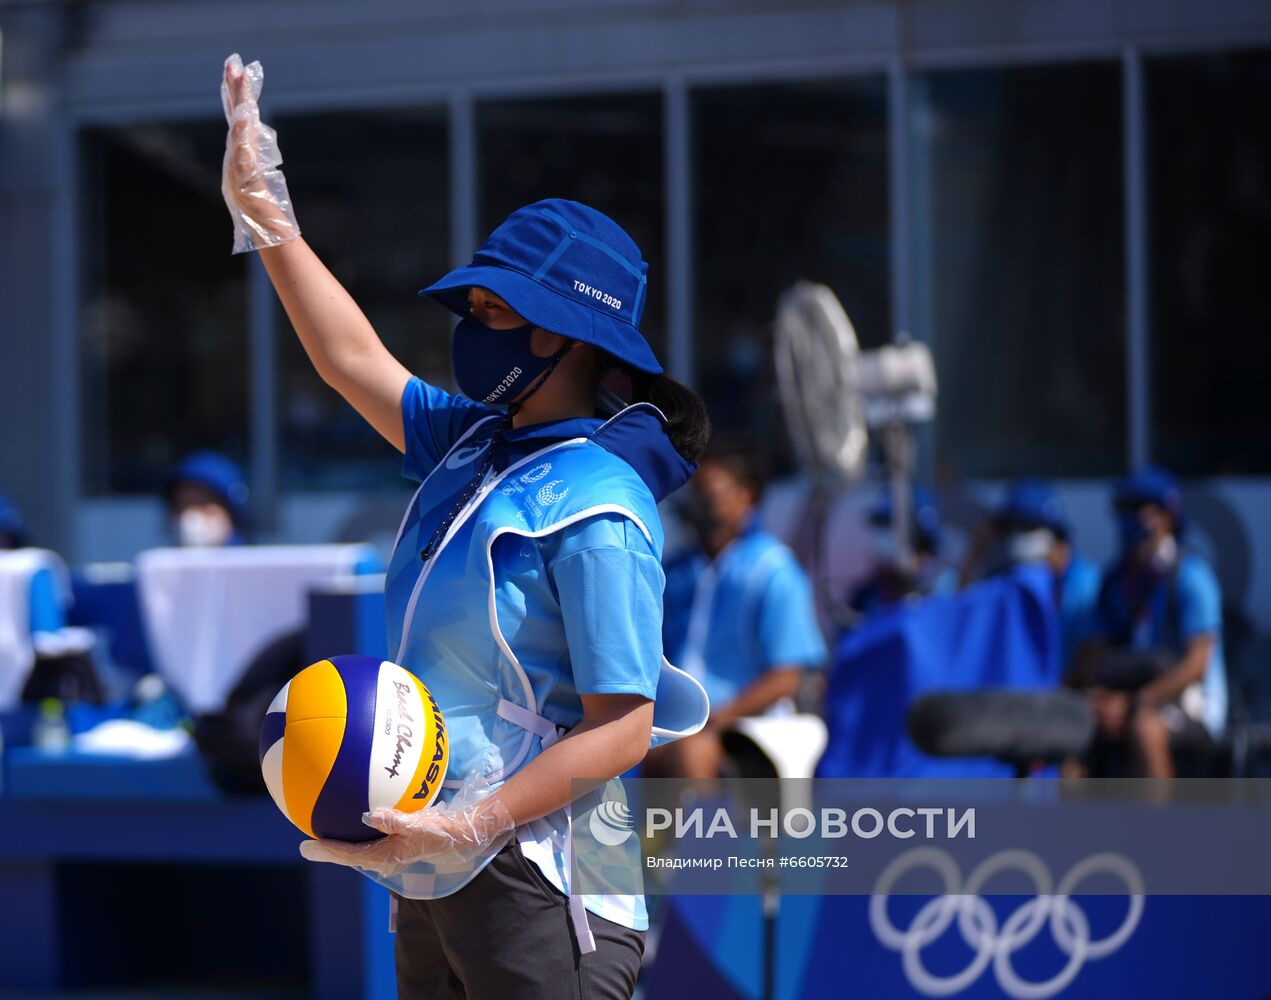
450	635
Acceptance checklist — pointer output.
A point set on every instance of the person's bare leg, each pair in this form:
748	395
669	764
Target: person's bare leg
701	755
695	757
1151	743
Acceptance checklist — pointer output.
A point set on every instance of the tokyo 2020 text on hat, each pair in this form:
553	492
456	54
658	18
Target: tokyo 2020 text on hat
565	268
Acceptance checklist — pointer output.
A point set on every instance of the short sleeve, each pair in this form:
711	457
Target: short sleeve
609	581
1199	600
47	613
1103	623
677	603
432	421
788	633
1080	601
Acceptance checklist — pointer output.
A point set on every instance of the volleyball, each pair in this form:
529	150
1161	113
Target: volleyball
347	735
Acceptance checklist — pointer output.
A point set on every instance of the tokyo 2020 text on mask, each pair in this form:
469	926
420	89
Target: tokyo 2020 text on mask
495	366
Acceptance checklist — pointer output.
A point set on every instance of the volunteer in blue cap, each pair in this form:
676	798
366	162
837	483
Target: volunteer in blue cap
1158	675
46	600
525	588
738	613
1030	525
206	495
892	583
13	533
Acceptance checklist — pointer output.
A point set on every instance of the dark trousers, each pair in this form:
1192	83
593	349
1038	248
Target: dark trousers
507	935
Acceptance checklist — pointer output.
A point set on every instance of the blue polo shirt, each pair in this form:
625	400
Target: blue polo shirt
47	612
581	608
728	621
1078	604
1139	611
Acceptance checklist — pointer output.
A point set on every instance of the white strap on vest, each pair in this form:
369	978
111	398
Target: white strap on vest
577	909
521	716
518	715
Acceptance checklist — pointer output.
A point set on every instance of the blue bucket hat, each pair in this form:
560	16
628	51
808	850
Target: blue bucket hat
11	523
1150	484
219	475
924	514
1034	501
566	268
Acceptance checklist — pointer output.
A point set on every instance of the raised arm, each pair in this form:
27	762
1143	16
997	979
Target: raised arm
340	341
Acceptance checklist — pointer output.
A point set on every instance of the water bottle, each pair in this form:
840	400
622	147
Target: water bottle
50	732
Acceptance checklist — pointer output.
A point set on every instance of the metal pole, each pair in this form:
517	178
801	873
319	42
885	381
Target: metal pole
678	167
463	178
66	343
1137	347
263	396
898	196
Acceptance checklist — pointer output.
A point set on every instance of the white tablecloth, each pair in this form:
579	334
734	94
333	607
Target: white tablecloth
208	612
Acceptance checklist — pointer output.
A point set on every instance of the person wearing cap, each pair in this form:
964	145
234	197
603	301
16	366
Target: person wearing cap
892	582
13	532
525	588
45	595
1156	675
206	496
738	612
1030	525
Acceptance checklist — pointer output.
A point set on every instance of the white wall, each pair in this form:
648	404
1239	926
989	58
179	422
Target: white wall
116	529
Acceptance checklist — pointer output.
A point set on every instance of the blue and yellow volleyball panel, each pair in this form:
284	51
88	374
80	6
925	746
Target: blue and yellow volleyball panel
347	735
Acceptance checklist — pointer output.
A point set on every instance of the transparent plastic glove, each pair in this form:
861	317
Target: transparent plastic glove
255	189
453	836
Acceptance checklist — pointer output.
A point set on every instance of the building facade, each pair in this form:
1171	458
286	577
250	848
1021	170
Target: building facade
1070	200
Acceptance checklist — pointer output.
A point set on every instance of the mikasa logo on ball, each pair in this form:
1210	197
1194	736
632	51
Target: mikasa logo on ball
434	772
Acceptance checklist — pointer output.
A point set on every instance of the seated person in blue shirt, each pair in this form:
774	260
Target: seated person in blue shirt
49	659
1156	676
206	496
1031	526
738	611
13	533
891	582
46	604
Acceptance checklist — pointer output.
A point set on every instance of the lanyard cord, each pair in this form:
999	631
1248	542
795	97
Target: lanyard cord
469	491
487	460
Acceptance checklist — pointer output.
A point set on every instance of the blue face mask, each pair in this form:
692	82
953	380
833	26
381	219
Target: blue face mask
496	366
1131	529
884	543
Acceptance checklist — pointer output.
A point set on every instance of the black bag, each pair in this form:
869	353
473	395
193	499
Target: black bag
68	677
229	740
1132	669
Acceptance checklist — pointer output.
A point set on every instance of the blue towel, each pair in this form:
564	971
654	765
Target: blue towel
1003	631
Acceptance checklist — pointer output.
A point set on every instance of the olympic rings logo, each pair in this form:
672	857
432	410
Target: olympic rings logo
977	922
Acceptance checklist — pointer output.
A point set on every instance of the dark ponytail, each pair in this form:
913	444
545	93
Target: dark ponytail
687	423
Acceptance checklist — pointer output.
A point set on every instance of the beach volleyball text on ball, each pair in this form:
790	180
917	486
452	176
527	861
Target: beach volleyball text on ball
347	735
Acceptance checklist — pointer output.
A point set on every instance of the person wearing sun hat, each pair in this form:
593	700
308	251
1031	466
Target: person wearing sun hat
1030	525
13	533
525	588
206	497
1160	608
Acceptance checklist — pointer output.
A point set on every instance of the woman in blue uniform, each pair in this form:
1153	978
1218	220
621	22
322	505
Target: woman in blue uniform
525	588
